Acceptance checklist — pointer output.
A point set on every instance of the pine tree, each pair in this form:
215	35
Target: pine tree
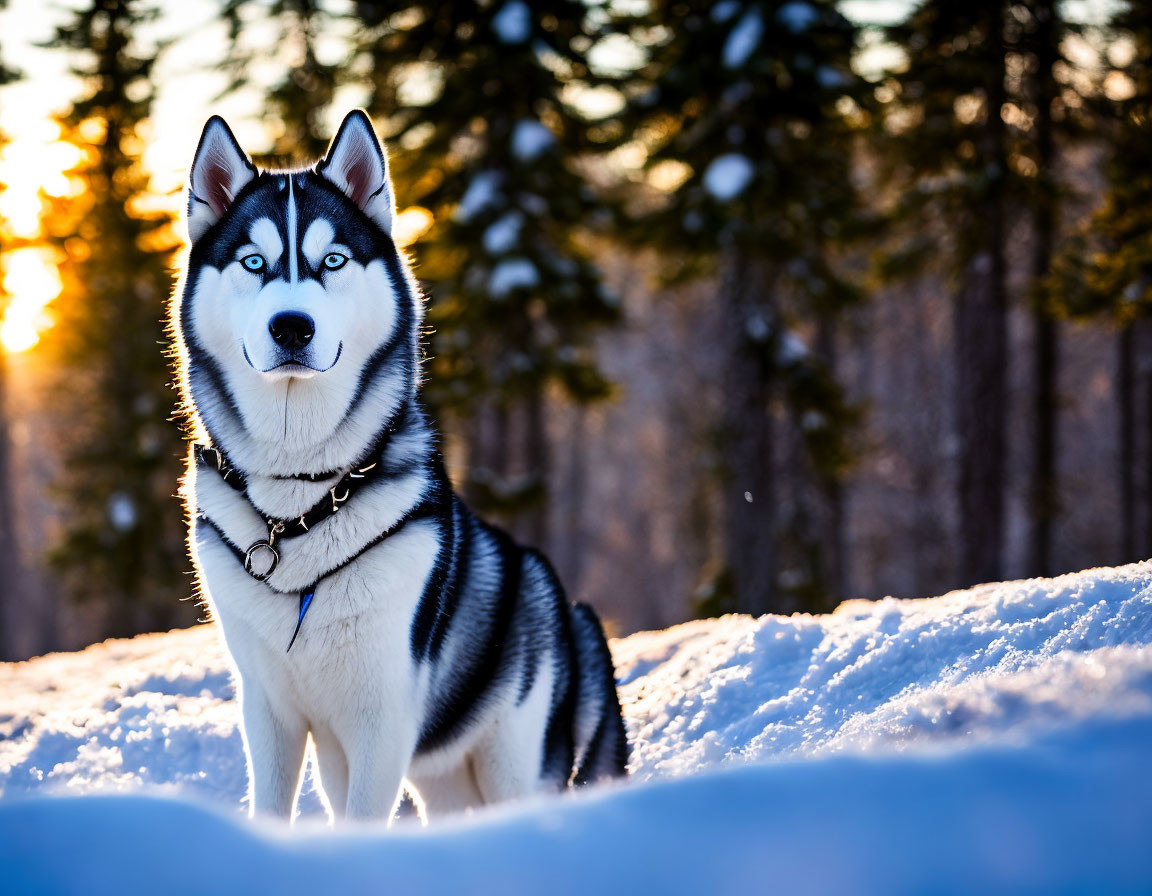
1043	40
951	151
1106	270
977	124
470	96
748	106
1050	122
299	101
122	538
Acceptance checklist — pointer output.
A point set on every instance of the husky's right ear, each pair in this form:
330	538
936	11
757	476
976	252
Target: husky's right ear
220	171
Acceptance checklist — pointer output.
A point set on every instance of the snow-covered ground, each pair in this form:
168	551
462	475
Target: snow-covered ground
991	740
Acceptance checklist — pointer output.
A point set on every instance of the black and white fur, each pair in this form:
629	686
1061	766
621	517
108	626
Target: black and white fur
443	654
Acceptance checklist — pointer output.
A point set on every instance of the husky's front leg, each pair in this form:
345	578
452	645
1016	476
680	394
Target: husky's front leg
275	748
376	766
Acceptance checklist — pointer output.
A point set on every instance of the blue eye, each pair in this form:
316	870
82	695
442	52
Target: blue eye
333	261
254	263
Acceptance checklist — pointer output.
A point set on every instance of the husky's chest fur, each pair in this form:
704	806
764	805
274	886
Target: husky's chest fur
425	644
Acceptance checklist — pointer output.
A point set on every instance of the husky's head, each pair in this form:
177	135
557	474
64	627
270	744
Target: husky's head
297	319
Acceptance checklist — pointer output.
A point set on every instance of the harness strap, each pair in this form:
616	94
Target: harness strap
367	470
422	510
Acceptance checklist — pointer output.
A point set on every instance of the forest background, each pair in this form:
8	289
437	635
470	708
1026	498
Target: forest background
733	306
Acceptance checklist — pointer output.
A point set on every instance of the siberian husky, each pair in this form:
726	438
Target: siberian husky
362	603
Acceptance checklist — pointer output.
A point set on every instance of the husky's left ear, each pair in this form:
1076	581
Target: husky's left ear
355	162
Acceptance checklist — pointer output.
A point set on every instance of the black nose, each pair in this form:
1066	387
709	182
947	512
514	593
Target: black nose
291	330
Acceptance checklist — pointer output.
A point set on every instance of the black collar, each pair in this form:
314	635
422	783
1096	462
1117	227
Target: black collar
368	469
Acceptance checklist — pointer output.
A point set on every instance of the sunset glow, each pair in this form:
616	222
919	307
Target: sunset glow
35	164
31	281
411	224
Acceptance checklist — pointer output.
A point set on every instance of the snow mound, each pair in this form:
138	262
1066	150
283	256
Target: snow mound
1074	818
990	740
157	710
999	662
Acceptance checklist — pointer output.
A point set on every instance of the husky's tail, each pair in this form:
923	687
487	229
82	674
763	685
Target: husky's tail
601	743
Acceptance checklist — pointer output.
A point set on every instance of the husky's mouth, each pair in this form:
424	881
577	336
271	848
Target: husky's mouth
294	365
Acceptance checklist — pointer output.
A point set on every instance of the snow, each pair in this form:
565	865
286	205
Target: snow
530	139
121	512
724	10
513	23
727	176
792	349
831	78
757	326
743	39
512	274
811	421
990	740
480	195
797	17
502	235
1077	818
971	666
154	711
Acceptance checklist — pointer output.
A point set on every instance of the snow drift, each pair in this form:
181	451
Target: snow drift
995	739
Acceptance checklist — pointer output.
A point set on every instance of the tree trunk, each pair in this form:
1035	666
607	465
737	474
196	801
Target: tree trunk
485	432
508	464
1142	358
535	466
1043	489
980	321
1044	498
747	440
833	545
1125	399
10	567
568	547
980	404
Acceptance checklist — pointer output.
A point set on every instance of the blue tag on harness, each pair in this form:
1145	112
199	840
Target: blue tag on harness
305	602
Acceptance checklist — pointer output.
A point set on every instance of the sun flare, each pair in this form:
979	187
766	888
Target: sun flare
32	282
36	163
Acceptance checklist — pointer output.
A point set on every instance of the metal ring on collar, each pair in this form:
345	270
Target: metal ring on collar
250	553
